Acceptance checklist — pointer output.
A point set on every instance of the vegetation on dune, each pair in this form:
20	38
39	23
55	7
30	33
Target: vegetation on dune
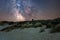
38	25
56	29
53	24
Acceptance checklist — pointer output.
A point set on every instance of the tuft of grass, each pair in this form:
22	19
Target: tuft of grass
55	29
49	25
38	25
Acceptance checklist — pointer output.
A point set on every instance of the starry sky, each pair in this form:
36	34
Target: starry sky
25	10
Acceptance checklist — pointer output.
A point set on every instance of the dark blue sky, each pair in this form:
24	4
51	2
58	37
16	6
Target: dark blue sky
27	9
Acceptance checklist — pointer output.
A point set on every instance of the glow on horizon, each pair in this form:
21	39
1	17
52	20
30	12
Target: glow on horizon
18	16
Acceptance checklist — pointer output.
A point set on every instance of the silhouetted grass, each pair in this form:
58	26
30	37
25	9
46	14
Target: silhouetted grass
53	24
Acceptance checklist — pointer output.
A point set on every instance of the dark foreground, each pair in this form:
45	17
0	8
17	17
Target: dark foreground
53	24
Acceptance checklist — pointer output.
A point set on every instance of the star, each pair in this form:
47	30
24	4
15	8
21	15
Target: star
18	5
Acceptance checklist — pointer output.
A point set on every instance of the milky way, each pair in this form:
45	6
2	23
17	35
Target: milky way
25	10
24	7
22	10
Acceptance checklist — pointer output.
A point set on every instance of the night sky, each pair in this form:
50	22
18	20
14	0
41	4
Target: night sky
25	10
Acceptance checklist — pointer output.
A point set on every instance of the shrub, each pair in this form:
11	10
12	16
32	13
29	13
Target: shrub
49	25
38	25
30	25
56	28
